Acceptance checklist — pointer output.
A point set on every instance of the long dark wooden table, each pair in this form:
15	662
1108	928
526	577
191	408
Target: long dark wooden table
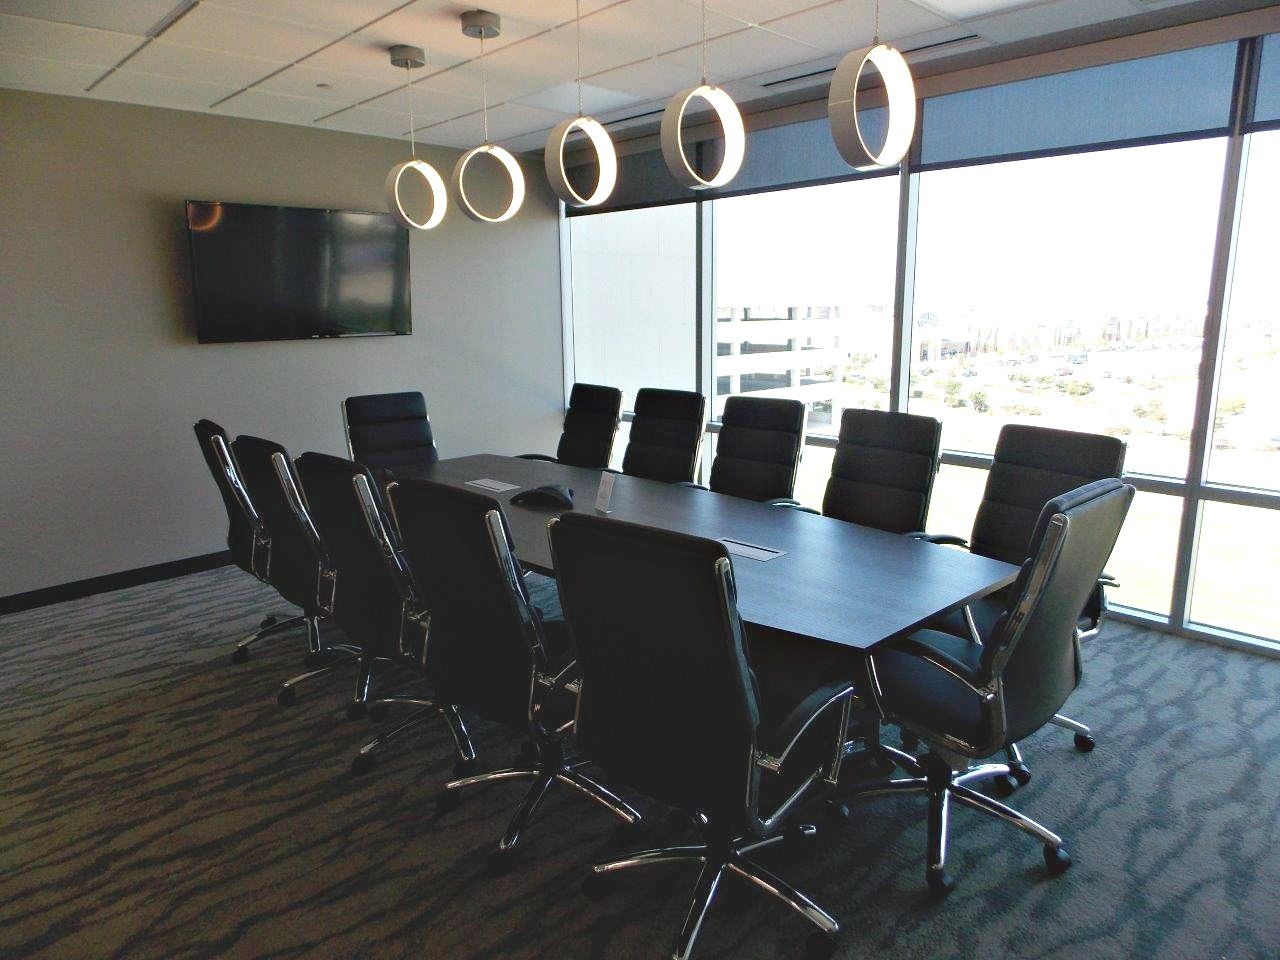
837	582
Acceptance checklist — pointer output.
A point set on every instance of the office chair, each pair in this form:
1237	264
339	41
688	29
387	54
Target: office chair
668	705
300	568
247	537
666	435
386	431
491	651
590	424
1031	466
758	449
969	702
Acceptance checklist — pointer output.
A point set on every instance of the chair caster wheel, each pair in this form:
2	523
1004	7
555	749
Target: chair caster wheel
840	810
356	710
799	836
596	886
1021	773
1056	860
1085	742
377	712
820	945
448	800
940	882
286	697
463	768
362	763
240	655
1004	785
268	622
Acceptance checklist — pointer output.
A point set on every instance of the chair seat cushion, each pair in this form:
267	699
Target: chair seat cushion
916	691
986	611
544	593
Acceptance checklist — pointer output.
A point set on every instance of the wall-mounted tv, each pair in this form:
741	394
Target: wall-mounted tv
292	273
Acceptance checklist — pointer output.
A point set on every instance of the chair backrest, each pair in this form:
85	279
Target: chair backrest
883	470
369	602
758	449
1031	466
296	553
668	702
1033	647
389	430
484	639
590	424
666	435
242	517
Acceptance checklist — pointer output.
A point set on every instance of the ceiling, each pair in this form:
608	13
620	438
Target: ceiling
324	63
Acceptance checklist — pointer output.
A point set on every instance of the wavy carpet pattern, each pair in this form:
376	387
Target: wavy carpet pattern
156	802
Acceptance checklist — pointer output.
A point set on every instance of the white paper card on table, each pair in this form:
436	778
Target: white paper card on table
494	486
605	493
752	551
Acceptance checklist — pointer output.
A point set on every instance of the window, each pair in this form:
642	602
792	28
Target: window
1067	292
634	308
1237	568
1246	423
804	285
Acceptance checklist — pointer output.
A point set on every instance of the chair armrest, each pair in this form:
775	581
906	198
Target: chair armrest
835	696
949	665
536	456
1107	580
690	483
944	539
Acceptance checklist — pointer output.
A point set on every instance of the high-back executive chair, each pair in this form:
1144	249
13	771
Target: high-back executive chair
387	431
300	568
971	701
758	449
668	704
666	435
1031	466
247	537
491	651
590	424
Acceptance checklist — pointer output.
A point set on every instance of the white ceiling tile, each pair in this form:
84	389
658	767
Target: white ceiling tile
967	9
260	105
46	40
378	123
1048	18
544	13
165	59
336	17
505	121
758	11
563	99
248	34
302	80
156	91
553	54
428	107
436	28
46	76
746	53
502	84
848	24
657	77
135	17
365	55
646	28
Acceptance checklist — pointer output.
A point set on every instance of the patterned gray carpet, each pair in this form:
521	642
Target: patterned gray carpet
155	802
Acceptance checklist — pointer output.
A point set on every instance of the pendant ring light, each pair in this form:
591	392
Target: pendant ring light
842	105
672	137
482	24
403	55
606	156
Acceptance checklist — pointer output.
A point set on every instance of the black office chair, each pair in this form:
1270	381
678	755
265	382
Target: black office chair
666	435
590	424
247	537
759	447
1031	466
883	470
386	431
668	704
300	568
491	651
969	702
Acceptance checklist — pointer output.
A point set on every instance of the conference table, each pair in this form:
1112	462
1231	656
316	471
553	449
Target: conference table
797	573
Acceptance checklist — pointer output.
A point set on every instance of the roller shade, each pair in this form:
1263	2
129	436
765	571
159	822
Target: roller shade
1266	111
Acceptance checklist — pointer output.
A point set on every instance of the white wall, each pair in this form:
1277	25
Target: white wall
100	374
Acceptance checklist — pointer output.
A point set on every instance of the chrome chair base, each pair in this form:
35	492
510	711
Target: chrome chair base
367	758
1083	735
269	627
936	777
549	768
717	860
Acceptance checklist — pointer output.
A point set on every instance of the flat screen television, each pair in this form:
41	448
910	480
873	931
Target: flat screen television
292	273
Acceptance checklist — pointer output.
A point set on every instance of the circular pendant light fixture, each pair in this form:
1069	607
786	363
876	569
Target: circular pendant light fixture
672	136
606	156
410	58
482	25
842	105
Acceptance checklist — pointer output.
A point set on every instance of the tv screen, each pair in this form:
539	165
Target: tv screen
291	273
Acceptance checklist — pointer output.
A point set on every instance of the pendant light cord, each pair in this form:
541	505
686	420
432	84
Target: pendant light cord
704	42
875	40
577	8
408	90
484	90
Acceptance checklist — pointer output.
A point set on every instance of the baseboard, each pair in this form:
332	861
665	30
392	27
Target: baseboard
112	581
